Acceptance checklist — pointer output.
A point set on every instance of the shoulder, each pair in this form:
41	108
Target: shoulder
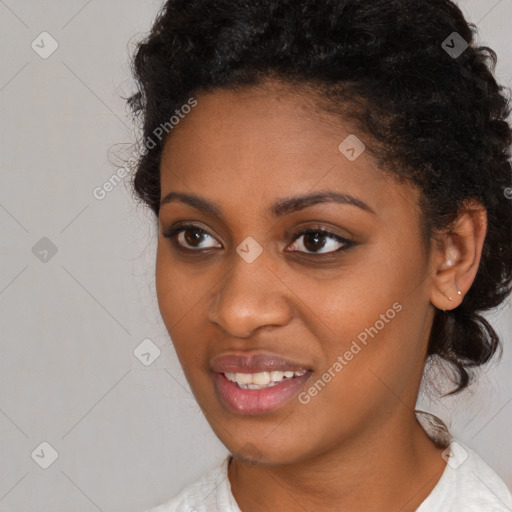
467	484
205	494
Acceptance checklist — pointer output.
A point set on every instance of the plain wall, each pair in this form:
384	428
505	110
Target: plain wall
127	436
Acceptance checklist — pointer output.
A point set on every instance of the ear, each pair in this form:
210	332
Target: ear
457	254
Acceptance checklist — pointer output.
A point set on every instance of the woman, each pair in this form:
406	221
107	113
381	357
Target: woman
331	183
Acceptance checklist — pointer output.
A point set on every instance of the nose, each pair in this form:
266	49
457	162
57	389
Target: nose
250	297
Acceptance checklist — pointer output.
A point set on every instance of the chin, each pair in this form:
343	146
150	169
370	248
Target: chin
267	453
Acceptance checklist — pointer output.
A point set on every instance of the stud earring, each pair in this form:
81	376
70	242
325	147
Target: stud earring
458	293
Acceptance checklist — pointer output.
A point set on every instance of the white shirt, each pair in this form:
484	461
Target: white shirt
467	484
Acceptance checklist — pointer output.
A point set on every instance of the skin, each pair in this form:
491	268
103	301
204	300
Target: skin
356	445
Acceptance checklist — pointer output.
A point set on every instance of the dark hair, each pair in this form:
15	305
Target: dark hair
432	117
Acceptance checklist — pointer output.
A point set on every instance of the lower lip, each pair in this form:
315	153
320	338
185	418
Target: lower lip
257	401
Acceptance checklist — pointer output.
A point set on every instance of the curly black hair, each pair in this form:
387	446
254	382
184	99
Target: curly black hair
432	117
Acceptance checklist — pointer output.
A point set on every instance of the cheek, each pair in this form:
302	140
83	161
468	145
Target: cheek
177	295
167	283
372	316
182	300
178	305
366	370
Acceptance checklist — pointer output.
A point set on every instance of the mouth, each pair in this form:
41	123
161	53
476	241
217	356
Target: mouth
262	380
249	398
257	383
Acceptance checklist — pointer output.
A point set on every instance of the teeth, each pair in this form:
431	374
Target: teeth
277	376
255	386
261	380
243	378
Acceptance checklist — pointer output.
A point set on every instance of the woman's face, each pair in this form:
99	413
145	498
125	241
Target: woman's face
350	305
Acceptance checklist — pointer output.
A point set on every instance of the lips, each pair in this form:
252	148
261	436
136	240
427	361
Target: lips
231	371
254	363
250	402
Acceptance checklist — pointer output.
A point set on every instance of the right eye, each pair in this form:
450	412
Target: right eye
189	237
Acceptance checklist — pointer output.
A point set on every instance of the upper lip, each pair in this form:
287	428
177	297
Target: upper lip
254	363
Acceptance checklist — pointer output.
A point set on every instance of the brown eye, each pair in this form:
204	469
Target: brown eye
191	237
314	240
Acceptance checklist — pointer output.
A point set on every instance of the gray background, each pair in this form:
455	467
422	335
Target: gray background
128	436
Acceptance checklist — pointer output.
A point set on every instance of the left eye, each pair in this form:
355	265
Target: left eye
318	241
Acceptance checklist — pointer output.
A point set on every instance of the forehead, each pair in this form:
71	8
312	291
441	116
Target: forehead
260	143
237	122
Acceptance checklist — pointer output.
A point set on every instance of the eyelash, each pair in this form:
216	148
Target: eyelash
173	232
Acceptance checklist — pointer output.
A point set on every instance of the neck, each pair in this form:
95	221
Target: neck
393	467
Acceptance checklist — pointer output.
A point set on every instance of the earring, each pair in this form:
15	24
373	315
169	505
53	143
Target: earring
458	293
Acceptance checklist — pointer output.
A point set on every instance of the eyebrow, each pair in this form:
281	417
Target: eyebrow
279	208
